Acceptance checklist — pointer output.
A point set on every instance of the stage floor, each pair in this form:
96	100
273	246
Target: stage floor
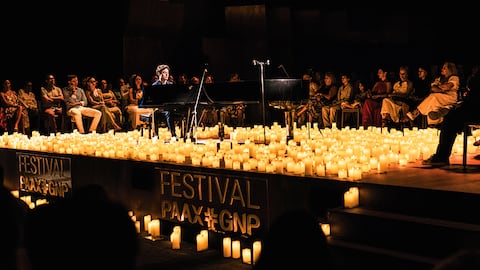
454	177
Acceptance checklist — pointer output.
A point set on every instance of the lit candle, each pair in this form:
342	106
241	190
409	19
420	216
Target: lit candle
202	240
175	237
351	197
325	228
247	256
137	226
257	250
308	167
146	221
227	247
236	249
154	228
342	173
320	170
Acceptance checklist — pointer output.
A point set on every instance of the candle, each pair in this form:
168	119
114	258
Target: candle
175	237
257	250
325	228
202	240
308	167
154	228
227	247
137	226
146	221
247	256
351	197
236	249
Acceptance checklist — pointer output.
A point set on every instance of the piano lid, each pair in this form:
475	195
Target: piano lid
294	90
224	93
168	94
232	92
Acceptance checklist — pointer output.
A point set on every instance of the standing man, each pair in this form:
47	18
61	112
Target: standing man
163	73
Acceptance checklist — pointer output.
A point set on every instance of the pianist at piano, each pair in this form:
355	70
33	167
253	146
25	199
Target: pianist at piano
163	73
181	98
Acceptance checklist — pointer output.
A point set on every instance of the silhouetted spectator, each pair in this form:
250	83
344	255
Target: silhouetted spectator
14	212
87	231
306	248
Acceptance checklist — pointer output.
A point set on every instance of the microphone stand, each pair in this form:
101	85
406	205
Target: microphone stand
194	124
262	83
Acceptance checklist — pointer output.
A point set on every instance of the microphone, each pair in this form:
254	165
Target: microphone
205	67
256	62
280	66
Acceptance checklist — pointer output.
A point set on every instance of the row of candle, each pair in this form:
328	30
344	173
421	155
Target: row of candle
232	248
28	199
345	153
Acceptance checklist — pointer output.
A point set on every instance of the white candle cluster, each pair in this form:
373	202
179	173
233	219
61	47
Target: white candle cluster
343	153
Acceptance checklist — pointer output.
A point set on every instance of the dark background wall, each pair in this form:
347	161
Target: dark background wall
122	37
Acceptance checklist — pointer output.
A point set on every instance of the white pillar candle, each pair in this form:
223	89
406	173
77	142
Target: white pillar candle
308	166
325	228
154	228
236	249
227	247
202	240
351	197
261	165
175	237
342	173
320	170
247	256
257	250
146	221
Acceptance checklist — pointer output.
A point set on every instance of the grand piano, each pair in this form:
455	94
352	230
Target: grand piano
278	94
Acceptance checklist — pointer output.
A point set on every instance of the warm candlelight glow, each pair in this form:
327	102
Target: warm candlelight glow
176	237
227	247
325	228
351	197
247	256
257	250
146	221
236	249
202	240
137	226
154	228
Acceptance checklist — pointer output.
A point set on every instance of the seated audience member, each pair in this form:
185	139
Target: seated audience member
135	95
77	105
442	97
96	101
52	103
12	108
311	110
371	115
111	101
454	123
86	231
329	112
30	112
326	94
307	250
395	105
